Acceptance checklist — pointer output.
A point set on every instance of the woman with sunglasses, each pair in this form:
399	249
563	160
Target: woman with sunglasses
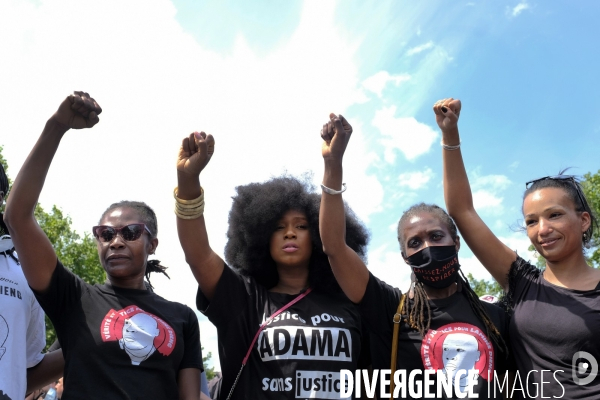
277	261
119	339
441	325
556	318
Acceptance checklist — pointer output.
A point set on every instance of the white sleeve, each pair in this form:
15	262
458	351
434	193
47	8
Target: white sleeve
36	334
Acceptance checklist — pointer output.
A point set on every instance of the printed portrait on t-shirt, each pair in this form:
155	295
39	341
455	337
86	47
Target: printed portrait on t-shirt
3	335
459	347
138	333
460	352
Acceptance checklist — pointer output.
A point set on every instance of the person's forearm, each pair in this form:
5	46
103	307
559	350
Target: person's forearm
205	264
332	218
457	191
192	232
188	187
49	370
349	270
30	180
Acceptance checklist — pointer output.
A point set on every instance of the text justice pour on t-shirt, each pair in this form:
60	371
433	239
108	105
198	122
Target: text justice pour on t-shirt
303	342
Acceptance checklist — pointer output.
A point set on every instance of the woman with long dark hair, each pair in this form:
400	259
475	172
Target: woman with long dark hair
555	323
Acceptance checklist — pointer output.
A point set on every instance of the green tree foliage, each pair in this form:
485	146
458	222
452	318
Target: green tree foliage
481	286
210	372
77	253
591	188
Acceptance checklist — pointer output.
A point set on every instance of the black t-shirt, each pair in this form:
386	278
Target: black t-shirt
456	338
549	326
299	355
119	343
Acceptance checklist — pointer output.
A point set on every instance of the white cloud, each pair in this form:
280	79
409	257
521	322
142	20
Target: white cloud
387	264
417	179
418	49
471	265
365	192
377	82
485	200
519	242
406	134
493	182
487	191
519	8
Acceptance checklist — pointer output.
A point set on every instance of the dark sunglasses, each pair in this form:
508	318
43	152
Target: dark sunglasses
129	232
569	178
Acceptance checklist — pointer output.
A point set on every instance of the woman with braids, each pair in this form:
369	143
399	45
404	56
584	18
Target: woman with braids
275	260
119	339
443	327
556	317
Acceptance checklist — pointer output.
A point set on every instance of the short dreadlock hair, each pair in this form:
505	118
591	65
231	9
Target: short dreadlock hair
418	310
255	211
148	217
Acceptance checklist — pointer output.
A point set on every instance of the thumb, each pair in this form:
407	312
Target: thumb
210	144
92	119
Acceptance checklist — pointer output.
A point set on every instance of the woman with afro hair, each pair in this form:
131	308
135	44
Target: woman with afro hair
275	258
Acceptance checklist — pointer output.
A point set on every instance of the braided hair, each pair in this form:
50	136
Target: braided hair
419	312
148	217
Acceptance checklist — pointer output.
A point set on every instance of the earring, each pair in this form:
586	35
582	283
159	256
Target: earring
411	289
586	241
536	254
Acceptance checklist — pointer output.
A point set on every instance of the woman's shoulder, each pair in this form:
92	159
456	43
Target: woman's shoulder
171	304
521	268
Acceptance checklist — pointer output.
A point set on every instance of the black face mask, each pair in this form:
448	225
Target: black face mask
435	266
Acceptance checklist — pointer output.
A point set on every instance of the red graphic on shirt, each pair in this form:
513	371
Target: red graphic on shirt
138	332
458	346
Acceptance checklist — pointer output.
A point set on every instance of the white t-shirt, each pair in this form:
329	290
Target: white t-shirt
22	329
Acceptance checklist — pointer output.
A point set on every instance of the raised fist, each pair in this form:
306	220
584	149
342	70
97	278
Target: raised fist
336	134
195	152
79	110
447	112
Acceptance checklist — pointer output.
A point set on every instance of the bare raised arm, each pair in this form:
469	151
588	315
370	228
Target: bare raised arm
36	253
207	267
349	270
495	256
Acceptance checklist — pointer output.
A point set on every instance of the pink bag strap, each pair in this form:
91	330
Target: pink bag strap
276	313
264	324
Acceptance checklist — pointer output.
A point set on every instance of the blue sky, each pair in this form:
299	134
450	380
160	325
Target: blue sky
262	76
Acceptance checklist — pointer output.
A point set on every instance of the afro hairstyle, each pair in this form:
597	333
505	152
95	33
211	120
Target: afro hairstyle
255	211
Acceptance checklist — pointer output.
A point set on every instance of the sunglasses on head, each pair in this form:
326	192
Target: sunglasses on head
569	178
129	232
